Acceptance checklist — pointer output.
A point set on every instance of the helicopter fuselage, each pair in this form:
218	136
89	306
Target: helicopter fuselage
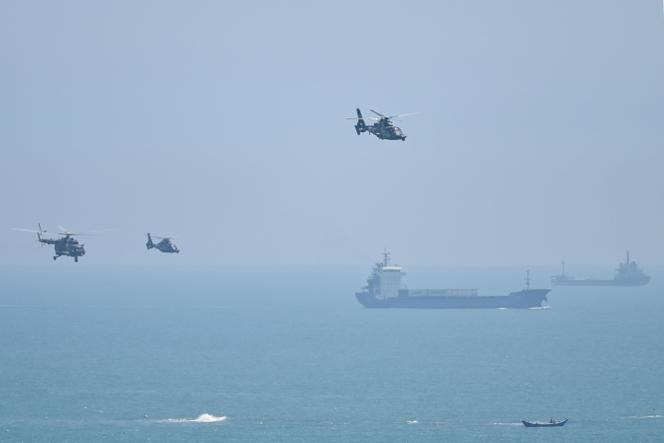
67	246
384	129
164	245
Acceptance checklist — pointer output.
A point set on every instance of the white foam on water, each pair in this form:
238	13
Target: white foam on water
412	422
539	308
203	418
645	417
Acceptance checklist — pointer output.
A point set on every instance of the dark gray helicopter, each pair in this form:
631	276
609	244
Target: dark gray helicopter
384	129
65	245
164	245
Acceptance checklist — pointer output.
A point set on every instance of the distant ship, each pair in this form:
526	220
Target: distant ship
383	290
627	274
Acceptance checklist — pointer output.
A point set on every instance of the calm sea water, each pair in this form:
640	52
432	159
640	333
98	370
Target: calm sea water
287	355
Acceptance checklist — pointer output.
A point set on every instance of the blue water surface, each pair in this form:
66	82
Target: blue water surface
285	354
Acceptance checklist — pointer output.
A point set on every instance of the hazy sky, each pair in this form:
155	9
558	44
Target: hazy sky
222	123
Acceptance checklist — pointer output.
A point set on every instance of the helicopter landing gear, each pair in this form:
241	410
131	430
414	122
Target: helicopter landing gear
55	257
76	259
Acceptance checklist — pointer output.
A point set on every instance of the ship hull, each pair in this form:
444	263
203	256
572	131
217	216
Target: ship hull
528	298
543	424
594	282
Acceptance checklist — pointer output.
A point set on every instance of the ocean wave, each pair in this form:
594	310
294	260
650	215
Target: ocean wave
645	417
412	422
539	308
203	418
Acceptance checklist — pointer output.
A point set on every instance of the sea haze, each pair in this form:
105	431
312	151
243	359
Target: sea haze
287	354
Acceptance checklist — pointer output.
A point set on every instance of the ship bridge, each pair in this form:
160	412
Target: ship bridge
390	281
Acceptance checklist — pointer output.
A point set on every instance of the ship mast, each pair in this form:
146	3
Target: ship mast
386	257
528	278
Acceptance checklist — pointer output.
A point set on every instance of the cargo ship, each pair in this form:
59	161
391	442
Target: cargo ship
627	274
384	290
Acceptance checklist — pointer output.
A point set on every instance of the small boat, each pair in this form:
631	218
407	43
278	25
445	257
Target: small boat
543	424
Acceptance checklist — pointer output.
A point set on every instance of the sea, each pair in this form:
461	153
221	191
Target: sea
286	354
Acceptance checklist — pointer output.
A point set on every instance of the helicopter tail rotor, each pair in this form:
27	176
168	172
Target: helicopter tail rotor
149	244
39	234
360	126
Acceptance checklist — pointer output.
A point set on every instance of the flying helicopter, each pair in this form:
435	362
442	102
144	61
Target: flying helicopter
384	129
66	245
164	245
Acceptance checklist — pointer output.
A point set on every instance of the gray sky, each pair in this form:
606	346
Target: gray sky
221	123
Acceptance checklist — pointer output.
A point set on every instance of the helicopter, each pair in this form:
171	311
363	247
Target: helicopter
66	245
164	245
384	129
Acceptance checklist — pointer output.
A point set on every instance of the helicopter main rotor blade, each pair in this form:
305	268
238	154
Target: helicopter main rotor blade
378	113
365	118
27	230
80	234
65	231
96	232
99	231
403	115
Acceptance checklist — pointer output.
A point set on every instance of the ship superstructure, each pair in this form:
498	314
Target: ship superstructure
384	290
